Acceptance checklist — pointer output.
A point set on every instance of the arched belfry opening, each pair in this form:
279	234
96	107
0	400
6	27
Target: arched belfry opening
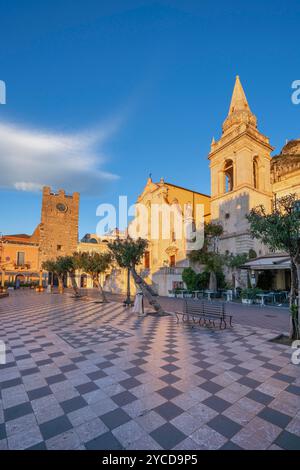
228	176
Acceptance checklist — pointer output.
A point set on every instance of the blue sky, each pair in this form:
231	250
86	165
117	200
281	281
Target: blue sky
101	93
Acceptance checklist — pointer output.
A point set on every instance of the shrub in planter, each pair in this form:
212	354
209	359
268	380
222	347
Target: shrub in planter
248	295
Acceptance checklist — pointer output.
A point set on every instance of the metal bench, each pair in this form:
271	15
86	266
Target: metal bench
3	294
206	313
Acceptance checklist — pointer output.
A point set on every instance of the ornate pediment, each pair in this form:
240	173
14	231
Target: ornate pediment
171	250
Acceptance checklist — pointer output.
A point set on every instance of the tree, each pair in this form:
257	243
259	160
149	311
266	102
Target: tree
94	264
208	255
128	254
50	266
234	262
189	277
62	266
280	230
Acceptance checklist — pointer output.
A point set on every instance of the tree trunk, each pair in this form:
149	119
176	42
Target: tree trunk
61	284
213	281
298	300
293	283
147	291
100	289
295	313
74	285
293	297
128	294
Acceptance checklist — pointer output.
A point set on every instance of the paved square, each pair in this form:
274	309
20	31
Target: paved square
82	375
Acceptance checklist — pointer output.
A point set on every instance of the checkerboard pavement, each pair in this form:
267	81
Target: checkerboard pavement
84	375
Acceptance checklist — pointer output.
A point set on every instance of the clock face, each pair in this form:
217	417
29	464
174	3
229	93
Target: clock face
61	207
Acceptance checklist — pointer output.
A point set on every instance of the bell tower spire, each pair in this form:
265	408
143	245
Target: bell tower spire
239	110
238	101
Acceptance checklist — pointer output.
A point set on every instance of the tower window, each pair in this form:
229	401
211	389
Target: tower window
228	174
59	247
255	173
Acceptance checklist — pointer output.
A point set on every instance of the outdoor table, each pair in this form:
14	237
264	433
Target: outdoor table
262	298
229	295
179	294
196	293
209	293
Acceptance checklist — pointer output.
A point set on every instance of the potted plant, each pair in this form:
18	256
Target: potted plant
248	295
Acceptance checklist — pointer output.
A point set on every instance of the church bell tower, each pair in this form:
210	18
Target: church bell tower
240	174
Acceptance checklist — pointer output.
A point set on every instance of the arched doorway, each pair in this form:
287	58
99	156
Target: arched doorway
19	280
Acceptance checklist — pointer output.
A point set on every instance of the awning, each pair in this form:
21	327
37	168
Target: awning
268	262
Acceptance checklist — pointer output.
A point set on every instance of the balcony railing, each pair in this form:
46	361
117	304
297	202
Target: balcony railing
22	267
172	270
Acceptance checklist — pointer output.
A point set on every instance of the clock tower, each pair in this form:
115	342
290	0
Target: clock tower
59	224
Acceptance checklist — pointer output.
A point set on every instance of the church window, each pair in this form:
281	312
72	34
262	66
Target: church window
228	173
255	173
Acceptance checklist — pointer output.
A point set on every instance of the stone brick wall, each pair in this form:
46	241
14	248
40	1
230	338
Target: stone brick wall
59	224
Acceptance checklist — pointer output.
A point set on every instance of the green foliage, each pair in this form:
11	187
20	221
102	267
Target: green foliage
250	293
211	234
50	266
62	265
202	280
252	254
208	254
189	277
279	229
294	312
221	282
235	261
199	281
128	252
93	263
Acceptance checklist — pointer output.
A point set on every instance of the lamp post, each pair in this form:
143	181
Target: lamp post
2	289
128	302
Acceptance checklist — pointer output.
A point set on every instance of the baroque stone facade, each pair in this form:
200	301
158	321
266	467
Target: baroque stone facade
285	170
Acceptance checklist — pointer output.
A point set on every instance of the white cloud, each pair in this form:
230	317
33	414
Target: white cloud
31	158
